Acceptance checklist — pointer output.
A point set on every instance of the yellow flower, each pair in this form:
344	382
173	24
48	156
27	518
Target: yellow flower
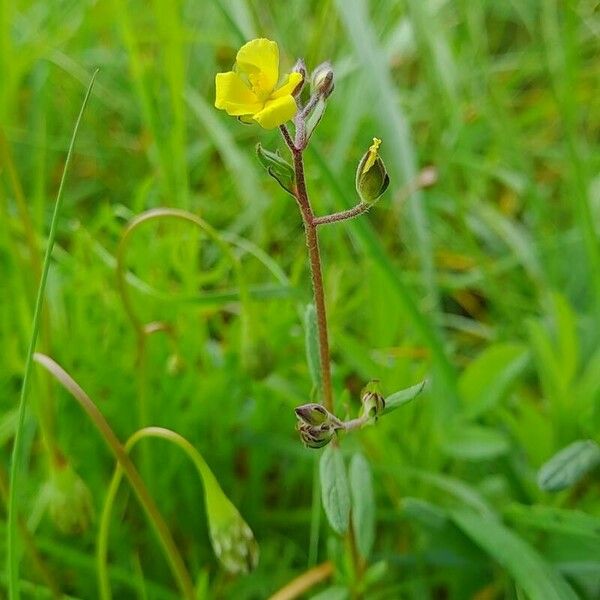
250	90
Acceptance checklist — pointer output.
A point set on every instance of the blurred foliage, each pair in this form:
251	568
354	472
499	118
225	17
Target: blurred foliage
488	282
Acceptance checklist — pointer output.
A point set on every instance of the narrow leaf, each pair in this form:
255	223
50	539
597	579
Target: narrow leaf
315	116
424	512
402	397
529	570
569	465
488	379
335	592
363	503
311	339
474	442
557	520
335	491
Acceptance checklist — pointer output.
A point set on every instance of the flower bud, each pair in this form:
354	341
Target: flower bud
371	176
372	400
299	67
69	500
322	80
312	414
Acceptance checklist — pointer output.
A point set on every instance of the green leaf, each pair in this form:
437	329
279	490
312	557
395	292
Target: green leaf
558	520
363	503
424	512
402	397
315	116
278	168
569	465
311	341
335	491
459	489
474	442
335	592
375	573
566	336
529	570
487	379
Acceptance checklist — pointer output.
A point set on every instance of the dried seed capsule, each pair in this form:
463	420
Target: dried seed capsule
316	436
312	414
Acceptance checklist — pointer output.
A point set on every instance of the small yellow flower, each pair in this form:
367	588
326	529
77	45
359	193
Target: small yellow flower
250	90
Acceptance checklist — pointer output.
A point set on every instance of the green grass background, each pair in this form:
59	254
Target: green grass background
487	282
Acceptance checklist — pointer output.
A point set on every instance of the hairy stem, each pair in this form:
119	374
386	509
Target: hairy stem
357	210
314	255
161	529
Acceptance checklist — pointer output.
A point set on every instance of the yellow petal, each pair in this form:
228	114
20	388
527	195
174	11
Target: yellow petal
372	156
291	83
276	112
259	59
234	96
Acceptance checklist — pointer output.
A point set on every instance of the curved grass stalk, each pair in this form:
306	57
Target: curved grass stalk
219	508
142	330
168	213
161	529
12	538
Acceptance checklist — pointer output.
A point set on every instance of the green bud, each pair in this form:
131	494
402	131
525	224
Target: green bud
299	67
371	176
322	80
70	503
372	400
313	414
278	168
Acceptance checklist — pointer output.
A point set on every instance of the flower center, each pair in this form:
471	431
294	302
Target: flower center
260	86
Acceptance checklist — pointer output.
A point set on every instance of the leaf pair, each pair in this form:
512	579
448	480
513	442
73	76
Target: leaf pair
349	496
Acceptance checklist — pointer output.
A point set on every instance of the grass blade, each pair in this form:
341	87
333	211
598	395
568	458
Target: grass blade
13	555
354	15
527	567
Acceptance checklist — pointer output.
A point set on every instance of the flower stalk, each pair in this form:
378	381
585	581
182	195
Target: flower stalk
314	255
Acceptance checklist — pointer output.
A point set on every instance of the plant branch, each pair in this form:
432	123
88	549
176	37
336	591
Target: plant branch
288	138
359	209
